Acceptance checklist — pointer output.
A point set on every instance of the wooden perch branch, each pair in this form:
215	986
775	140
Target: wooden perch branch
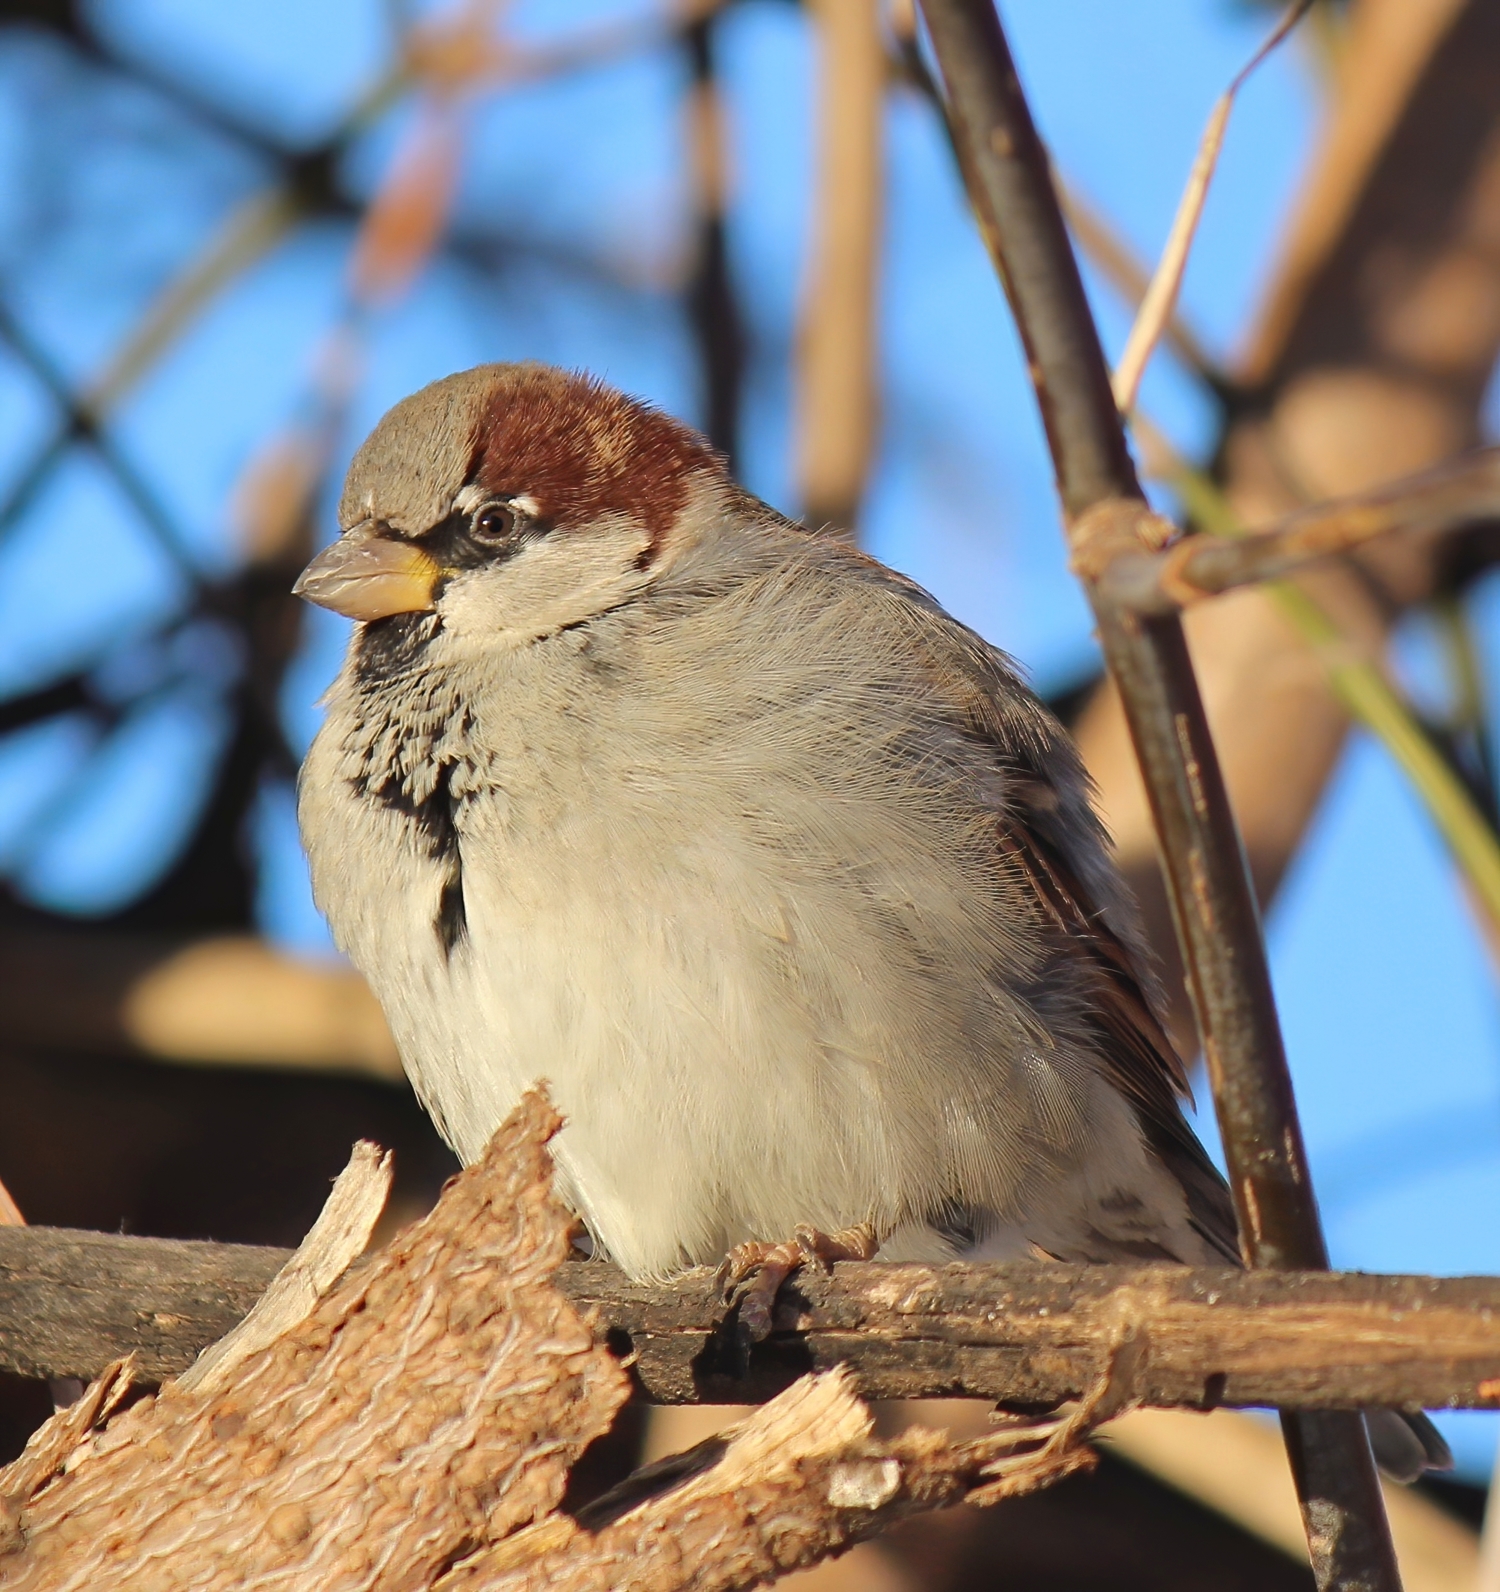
1020	1334
1448	498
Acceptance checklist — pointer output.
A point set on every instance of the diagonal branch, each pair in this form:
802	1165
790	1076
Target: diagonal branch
1451	497
1213	903
82	423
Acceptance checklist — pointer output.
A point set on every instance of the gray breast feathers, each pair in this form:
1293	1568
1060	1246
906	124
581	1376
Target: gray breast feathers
791	890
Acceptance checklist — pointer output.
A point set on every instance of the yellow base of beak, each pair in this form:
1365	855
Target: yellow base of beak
367	576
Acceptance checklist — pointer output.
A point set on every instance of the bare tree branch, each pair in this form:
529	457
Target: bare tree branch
1024	1334
1454	496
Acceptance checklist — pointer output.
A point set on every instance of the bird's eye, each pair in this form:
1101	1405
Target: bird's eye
494	523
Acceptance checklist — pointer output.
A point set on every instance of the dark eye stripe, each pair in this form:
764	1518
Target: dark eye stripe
460	542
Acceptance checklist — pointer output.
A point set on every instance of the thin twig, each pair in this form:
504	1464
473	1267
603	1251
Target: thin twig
1448	498
1116	261
1161	296
1358	681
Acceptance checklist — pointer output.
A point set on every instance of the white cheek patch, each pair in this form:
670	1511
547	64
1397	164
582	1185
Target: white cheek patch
554	581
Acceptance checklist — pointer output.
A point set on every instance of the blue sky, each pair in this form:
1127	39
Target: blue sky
1387	998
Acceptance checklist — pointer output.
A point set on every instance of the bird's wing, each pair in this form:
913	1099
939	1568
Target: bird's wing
1138	1056
1047	837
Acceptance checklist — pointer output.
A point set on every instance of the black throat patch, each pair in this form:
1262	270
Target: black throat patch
433	817
402	766
388	648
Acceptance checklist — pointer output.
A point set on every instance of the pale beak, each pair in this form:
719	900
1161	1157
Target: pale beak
365	575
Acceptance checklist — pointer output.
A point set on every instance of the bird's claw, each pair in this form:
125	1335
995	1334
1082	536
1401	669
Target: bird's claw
755	1271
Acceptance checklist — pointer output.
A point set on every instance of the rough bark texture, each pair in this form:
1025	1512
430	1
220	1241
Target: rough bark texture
415	1431
1022	1334
801	1479
83	1299
432	1403
1028	1335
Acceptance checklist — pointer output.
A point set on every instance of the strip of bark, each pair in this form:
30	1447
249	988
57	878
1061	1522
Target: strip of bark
1022	1334
800	1480
430	1404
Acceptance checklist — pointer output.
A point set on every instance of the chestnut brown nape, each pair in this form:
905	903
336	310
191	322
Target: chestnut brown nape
579	448
584	451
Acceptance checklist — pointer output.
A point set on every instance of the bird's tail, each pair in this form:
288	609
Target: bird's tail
1406	1444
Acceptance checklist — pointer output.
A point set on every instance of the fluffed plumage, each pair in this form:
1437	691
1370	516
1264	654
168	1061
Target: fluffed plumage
779	875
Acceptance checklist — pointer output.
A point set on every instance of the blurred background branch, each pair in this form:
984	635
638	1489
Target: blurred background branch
837	401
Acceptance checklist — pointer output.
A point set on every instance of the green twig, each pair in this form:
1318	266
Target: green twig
1469	718
1370	698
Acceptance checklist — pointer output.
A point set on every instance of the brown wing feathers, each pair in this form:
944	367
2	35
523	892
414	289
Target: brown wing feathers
1141	1060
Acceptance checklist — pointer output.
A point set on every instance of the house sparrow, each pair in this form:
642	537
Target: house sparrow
780	875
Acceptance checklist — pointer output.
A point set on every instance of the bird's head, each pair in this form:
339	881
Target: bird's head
510	502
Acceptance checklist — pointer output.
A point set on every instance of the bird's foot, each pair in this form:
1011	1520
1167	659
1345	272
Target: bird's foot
755	1271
